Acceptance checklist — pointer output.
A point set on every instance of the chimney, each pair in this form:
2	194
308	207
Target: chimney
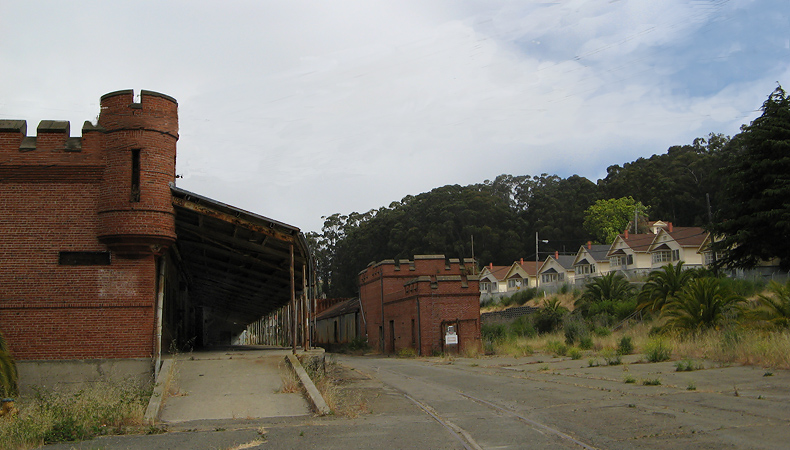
490	266
521	262
670	227
589	245
626	234
556	254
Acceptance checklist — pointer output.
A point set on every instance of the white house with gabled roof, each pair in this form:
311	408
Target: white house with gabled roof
591	261
555	271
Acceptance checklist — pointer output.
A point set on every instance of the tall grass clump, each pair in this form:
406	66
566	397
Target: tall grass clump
657	350
101	409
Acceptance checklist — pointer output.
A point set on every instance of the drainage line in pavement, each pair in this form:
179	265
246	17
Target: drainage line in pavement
466	440
530	421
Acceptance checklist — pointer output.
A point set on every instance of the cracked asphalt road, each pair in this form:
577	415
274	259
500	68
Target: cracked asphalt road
536	402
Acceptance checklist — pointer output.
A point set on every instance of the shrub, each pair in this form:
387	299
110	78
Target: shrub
493	332
652	382
611	357
629	379
550	316
657	350
523	327
585	343
359	344
524	295
556	347
575	353
574	328
602	331
625	346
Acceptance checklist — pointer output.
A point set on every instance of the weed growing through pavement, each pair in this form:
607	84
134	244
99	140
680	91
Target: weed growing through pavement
407	352
658	350
651	382
342	401
688	365
611	357
290	381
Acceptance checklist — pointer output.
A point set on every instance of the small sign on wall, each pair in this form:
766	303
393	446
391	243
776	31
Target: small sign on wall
451	337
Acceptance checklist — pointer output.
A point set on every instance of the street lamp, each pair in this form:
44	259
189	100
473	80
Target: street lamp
536	256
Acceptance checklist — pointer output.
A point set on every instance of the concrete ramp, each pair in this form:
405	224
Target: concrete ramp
239	382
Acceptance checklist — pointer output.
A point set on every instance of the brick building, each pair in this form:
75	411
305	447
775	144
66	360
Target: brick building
413	304
104	260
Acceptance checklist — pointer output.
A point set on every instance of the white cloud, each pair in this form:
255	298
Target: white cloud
297	110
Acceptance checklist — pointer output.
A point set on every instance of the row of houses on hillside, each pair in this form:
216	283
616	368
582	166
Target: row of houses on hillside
633	254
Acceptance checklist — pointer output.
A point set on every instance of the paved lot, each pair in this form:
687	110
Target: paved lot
536	402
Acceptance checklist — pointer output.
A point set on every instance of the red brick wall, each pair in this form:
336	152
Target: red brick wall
51	196
444	292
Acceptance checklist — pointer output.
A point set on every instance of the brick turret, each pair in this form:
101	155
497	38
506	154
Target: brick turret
135	207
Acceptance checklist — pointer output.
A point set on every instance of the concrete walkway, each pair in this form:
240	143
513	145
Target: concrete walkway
238	382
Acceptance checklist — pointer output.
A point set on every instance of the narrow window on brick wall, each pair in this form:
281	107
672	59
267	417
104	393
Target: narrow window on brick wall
135	194
84	258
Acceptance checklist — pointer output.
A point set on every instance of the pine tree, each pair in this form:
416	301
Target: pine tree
755	224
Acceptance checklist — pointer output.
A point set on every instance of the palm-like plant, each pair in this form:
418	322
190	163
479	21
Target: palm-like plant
8	373
663	286
704	303
775	308
611	287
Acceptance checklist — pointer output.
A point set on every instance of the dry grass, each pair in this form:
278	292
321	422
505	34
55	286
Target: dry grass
100	409
291	384
342	400
566	300
514	347
741	346
736	345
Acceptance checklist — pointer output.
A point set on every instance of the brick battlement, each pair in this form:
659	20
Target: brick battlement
431	265
53	143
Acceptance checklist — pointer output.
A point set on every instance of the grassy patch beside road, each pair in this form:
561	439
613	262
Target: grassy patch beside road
101	409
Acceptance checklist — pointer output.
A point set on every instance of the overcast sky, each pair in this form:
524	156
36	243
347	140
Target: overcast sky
296	110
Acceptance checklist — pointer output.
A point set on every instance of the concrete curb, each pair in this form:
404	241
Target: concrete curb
312	392
158	396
